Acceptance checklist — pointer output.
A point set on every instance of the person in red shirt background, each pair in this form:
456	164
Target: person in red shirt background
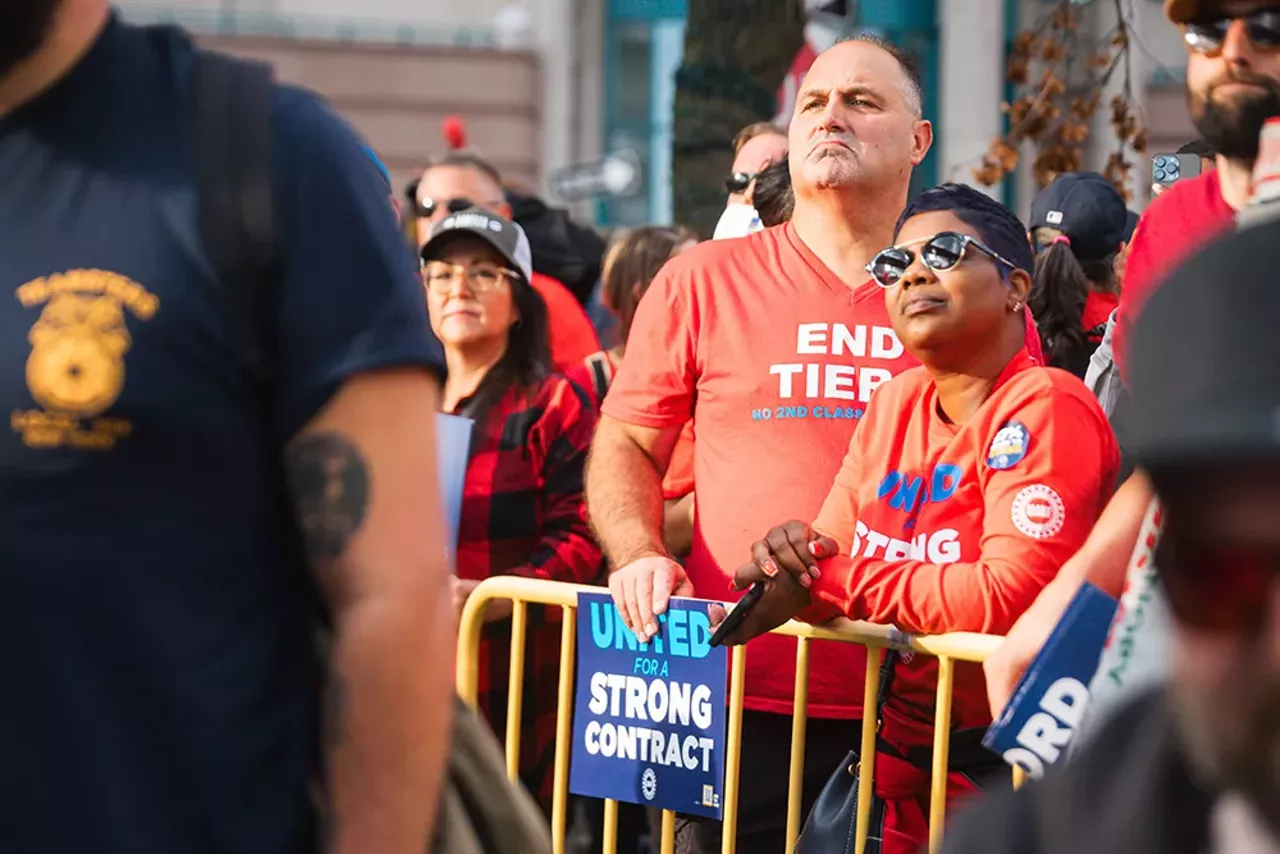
1077	227
969	482
1233	87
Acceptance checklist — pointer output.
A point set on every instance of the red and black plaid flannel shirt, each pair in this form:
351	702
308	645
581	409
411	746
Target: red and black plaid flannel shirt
523	513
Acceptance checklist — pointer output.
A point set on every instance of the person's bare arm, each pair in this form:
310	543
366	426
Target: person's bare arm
1103	561
677	525
362	475
624	488
624	500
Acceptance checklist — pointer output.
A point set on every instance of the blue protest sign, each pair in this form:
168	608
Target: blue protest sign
453	448
1036	726
648	722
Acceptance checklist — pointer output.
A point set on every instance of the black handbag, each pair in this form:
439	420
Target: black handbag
831	824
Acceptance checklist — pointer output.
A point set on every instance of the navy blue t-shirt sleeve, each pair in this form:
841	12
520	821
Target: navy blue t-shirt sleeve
351	297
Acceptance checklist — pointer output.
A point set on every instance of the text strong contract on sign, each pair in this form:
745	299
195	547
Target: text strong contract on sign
649	719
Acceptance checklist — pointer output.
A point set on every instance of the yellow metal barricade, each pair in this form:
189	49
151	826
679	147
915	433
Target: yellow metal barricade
947	648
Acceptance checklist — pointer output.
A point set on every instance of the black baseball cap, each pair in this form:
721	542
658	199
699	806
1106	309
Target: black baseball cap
1204	358
499	232
1087	208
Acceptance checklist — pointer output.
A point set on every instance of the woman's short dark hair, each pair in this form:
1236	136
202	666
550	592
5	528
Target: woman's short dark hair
997	226
633	259
526	364
773	197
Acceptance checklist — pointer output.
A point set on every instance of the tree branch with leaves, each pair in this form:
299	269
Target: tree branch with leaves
1061	72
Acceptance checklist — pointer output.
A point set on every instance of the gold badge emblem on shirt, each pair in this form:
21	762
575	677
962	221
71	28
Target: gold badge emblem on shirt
76	368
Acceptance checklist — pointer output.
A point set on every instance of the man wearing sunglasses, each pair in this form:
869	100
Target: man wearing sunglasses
460	180
755	148
1193	766
1233	86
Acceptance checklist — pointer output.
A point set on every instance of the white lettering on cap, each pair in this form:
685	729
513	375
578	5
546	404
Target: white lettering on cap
472	220
1053	217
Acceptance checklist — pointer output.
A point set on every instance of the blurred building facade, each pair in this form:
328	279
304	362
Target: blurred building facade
544	84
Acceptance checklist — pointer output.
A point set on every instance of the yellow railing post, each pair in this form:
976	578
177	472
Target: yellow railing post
941	752
564	734
515	688
668	832
799	717
733	751
866	767
610	828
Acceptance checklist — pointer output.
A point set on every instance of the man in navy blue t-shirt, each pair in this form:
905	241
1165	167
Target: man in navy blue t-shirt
159	687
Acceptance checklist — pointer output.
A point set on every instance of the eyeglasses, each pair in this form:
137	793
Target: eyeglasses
426	207
1217	588
737	182
941	252
1206	34
439	276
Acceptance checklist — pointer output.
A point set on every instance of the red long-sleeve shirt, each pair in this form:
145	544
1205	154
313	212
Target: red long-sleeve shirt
946	528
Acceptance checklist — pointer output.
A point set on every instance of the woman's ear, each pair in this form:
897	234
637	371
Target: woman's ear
1019	289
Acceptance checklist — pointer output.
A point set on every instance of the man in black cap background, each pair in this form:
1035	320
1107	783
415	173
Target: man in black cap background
1193	766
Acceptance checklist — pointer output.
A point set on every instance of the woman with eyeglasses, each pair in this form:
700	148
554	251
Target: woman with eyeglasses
968	482
522	508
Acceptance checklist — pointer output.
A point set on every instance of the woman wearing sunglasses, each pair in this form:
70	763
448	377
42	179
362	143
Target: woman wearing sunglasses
967	484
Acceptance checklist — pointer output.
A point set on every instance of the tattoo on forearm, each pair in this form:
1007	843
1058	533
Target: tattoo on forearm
330	485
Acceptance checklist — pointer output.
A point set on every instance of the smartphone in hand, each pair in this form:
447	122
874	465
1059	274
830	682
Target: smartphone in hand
738	614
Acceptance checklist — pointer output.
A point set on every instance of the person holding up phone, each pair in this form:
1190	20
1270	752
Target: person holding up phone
969	482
